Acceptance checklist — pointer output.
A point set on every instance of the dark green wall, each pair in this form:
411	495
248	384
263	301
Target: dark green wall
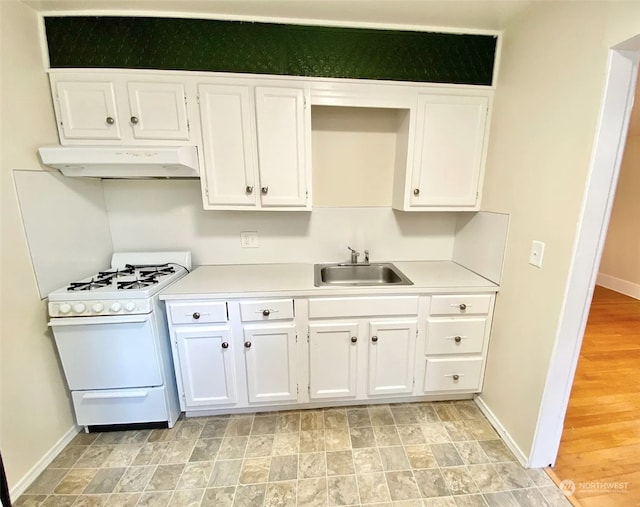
266	48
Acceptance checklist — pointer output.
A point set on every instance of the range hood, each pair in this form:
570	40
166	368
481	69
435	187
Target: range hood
123	161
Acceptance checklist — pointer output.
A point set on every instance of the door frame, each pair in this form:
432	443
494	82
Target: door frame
604	169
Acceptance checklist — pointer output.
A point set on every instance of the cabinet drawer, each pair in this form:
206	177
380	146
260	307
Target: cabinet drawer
476	304
455	336
266	309
190	313
363	307
446	374
120	406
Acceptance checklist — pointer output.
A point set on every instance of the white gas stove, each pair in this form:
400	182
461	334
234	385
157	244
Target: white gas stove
125	289
112	338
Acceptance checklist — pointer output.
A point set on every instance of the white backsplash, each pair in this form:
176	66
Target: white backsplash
168	214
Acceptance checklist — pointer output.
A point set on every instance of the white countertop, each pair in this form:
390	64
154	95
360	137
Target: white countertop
296	279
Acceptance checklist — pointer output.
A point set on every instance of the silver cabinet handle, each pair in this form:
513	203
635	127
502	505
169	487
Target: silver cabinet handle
247	345
266	312
354	339
248	189
110	120
374	339
225	345
416	191
455	377
462	306
264	190
457	339
196	315
134	120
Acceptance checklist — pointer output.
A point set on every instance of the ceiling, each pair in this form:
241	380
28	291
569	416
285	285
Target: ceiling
467	14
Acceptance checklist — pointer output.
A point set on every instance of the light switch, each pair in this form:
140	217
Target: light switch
537	251
249	239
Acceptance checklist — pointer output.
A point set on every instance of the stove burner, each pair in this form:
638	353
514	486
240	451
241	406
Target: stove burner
110	274
140	283
157	270
91	284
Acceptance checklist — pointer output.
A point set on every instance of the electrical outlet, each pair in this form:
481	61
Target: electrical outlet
249	239
537	251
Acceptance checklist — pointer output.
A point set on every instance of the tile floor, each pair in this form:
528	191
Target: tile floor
418	454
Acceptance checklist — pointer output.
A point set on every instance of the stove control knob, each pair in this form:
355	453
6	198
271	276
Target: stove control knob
130	306
115	307
79	308
97	308
64	308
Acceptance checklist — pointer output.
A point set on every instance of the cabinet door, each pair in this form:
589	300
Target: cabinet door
158	111
206	365
448	156
87	110
333	353
283	127
271	360
391	356
229	148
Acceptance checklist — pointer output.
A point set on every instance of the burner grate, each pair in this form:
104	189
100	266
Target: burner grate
139	283
91	284
116	273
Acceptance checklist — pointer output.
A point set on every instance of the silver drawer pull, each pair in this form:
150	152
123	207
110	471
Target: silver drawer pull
461	306
196	315
116	395
455	376
457	338
267	311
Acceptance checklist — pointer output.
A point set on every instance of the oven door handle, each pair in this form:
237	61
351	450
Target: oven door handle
111	319
120	394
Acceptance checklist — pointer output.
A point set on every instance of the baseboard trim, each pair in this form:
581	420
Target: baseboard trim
619	285
26	481
504	434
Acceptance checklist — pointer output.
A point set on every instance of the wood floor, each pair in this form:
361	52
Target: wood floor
601	441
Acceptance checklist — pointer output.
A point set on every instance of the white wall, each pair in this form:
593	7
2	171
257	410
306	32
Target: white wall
168	214
554	61
35	409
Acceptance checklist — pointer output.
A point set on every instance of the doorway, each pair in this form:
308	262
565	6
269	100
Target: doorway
595	214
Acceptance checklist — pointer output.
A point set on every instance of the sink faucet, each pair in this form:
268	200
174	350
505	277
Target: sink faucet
355	254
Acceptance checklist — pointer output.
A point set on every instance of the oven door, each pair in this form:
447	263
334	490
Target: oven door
108	352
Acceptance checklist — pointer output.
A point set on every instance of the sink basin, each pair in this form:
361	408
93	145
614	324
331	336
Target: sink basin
381	273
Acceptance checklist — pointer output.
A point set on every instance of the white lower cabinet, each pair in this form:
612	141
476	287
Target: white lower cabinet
456	345
333	359
358	356
271	359
206	366
392	347
243	354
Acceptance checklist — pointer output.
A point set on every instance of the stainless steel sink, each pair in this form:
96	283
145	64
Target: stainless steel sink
381	273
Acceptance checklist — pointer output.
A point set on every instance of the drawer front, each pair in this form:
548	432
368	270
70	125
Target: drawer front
446	374
120	406
455	336
192	313
363	307
266	309
475	304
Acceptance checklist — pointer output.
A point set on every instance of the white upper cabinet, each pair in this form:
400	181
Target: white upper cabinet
158	110
86	110
120	109
256	142
449	144
229	176
283	126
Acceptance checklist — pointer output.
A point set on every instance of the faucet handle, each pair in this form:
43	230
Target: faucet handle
354	255
366	256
